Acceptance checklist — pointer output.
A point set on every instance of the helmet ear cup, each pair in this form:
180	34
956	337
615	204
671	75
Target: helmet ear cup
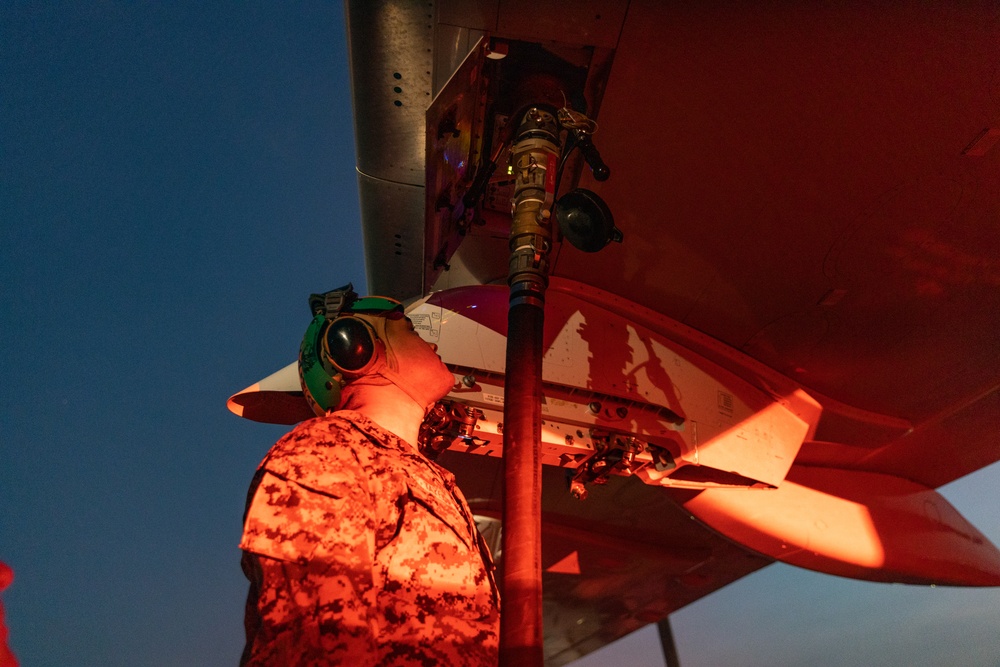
351	347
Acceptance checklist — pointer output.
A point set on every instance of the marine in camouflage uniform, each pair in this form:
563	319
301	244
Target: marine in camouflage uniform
361	551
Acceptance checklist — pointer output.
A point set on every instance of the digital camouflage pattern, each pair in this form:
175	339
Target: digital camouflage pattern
361	551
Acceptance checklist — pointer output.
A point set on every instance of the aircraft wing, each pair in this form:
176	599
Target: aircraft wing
809	198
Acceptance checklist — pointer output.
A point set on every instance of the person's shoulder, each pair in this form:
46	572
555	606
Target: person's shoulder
321	454
333	427
323	442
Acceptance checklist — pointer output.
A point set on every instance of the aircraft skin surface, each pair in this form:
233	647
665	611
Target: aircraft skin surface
860	524
800	325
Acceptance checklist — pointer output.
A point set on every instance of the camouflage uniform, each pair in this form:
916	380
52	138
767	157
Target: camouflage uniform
361	551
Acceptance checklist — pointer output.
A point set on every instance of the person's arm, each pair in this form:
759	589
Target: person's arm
311	551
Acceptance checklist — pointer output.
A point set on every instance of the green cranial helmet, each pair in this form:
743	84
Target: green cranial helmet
338	347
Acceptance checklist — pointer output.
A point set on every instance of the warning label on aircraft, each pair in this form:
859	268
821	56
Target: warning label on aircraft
493	398
427	322
725	402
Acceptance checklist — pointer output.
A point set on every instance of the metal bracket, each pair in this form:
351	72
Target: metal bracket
330	304
446	422
614	454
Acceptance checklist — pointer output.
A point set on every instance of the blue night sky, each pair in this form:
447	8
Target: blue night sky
176	179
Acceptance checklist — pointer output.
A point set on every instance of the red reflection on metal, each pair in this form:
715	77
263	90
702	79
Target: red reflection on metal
855	524
521	584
